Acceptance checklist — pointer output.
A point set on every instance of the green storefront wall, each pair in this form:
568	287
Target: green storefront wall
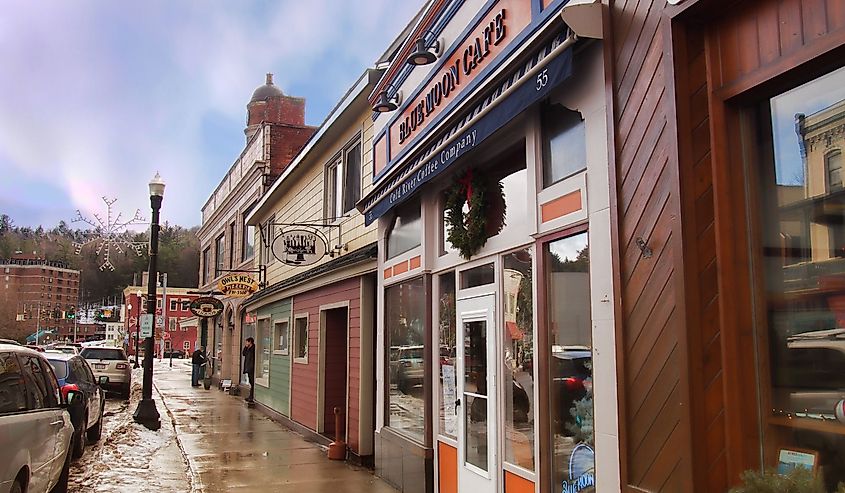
277	394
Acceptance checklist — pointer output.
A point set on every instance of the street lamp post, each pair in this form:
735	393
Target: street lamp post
146	412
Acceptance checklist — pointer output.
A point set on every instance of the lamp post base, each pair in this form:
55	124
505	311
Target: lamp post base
147	414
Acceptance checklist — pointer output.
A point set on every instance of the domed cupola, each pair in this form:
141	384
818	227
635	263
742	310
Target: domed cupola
268	90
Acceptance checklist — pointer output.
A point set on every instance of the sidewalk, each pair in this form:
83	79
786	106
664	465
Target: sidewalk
229	447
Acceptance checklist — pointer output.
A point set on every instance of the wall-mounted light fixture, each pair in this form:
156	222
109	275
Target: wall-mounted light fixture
423	53
386	101
584	17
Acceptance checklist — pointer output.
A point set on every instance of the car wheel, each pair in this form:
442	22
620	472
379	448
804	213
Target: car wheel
96	431
78	444
125	390
61	485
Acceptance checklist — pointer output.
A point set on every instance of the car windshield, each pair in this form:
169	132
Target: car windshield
67	350
60	367
412	353
110	354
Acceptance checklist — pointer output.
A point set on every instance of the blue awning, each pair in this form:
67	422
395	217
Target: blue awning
548	68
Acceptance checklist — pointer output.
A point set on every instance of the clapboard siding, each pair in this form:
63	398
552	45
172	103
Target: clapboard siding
303	199
654	424
277	395
304	394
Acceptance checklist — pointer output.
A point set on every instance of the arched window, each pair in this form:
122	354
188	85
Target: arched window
833	170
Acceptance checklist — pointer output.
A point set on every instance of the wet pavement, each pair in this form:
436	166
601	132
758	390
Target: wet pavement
229	447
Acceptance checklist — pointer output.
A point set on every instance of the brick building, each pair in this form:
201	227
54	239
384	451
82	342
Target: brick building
35	287
275	133
173	307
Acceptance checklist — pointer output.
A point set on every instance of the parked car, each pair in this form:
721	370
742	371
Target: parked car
35	424
10	341
66	349
112	363
75	374
407	366
176	353
571	382
809	375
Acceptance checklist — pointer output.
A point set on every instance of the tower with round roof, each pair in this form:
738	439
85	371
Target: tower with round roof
269	104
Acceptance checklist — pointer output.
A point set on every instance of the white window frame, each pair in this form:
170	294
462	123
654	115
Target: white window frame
263	380
334	200
277	337
173	305
296	358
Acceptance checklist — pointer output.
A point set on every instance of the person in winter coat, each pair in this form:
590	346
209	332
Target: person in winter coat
198	361
249	365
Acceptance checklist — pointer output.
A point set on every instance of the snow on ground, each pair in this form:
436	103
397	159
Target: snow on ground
130	458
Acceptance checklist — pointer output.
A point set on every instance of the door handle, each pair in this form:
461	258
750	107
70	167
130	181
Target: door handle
457	405
57	423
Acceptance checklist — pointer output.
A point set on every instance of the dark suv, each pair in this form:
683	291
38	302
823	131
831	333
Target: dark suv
75	374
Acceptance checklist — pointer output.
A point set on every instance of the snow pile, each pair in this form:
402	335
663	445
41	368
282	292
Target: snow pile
129	457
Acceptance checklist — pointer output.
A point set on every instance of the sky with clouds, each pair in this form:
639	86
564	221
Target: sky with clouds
96	96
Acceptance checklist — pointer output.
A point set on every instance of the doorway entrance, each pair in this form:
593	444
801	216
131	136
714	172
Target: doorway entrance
334	338
476	404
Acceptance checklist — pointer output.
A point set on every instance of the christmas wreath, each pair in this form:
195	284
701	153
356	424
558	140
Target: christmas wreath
485	218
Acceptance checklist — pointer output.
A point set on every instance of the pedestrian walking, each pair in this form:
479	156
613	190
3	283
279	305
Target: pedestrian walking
198	361
249	365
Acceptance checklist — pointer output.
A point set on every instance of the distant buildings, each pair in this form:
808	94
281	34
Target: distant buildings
172	309
43	293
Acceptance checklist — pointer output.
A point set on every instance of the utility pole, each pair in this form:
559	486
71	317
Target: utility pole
38	324
164	313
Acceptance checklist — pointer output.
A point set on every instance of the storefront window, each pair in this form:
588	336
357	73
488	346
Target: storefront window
570	364
405	231
518	355
247	330
263	346
405	328
564	143
802	250
446	361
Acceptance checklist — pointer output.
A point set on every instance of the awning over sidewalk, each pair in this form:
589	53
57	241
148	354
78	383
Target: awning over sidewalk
524	86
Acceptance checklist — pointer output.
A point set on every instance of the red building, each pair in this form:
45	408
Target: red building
37	288
172	309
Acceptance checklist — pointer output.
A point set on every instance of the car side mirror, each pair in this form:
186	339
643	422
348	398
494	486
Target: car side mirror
104	380
74	398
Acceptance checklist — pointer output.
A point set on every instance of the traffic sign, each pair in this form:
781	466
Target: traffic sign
147	325
159	321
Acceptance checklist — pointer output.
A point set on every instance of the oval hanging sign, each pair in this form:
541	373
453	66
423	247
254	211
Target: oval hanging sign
206	307
299	247
237	285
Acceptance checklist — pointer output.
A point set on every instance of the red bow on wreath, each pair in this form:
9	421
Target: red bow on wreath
466	183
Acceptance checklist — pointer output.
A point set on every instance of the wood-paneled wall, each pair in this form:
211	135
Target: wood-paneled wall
654	420
678	80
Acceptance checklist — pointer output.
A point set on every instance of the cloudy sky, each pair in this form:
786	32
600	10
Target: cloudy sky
96	96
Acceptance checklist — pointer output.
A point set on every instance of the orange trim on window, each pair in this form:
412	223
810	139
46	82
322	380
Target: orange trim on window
416	262
400	268
447	462
517	484
561	206
388	272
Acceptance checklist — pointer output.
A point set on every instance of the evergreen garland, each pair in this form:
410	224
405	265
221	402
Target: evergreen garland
468	233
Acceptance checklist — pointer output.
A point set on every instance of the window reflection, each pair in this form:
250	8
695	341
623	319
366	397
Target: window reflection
802	248
404	325
571	365
446	361
518	356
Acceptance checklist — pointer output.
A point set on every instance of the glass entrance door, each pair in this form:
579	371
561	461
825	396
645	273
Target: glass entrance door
476	408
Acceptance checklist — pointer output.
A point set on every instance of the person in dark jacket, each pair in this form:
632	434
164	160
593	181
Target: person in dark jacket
198	361
249	365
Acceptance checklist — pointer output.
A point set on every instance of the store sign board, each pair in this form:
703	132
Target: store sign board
147	325
549	74
237	285
299	247
490	36
206	307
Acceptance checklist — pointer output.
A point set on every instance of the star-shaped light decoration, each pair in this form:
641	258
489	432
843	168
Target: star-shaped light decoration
108	234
